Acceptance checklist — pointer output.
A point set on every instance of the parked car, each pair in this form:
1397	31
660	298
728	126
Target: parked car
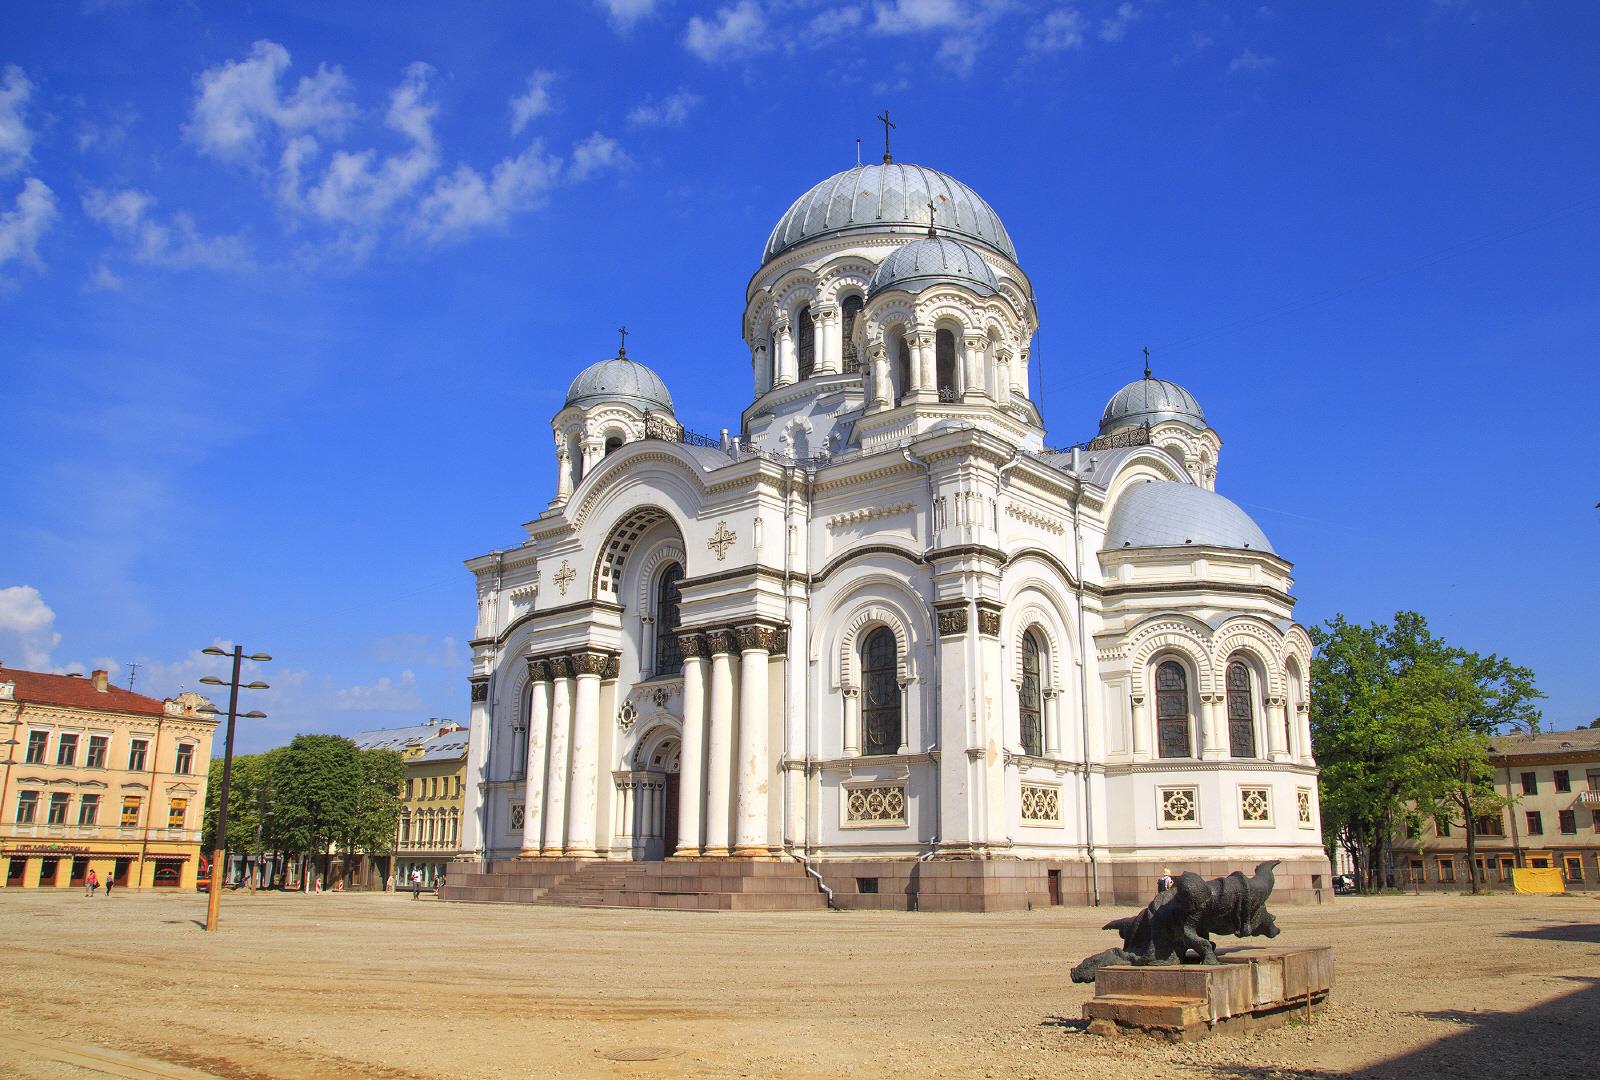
1344	884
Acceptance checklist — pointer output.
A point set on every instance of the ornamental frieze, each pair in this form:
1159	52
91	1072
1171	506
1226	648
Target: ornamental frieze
480	687
538	669
953	621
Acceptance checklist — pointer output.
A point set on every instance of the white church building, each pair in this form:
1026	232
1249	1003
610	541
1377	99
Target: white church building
880	638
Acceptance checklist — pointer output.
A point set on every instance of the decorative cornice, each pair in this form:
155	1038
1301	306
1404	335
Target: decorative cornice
1035	518
861	553
855	517
959	550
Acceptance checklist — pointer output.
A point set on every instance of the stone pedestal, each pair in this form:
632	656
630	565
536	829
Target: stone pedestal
1252	987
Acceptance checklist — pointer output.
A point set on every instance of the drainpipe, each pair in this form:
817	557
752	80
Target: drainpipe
1083	694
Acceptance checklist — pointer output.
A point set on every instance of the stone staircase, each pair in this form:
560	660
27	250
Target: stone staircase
676	884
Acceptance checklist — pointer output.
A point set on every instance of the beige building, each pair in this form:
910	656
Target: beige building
1554	822
429	834
100	778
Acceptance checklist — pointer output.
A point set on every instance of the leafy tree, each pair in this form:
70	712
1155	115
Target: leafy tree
315	782
376	811
248	781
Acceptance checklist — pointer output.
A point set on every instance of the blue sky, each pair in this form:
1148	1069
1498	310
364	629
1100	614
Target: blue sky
287	299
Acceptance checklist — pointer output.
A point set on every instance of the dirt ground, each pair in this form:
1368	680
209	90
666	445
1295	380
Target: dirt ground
373	985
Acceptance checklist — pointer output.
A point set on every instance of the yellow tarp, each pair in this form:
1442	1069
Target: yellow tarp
1528	879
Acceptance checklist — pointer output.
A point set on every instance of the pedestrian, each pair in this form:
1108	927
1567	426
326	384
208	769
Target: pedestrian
91	885
1166	881
416	882
108	886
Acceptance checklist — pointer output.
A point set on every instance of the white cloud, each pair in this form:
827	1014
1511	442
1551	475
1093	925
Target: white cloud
30	218
27	624
384	694
734	32
596	154
1249	61
239	101
16	140
414	649
176	244
836	21
360	188
534	103
1060	30
963	23
1115	26
670	111
466	200
104	279
624	13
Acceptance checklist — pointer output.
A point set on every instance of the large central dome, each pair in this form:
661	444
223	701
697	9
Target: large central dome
890	198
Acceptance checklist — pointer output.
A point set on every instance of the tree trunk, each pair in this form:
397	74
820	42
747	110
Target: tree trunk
1472	840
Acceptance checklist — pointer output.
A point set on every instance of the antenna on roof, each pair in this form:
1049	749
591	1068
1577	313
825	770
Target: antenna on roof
858	153
133	671
1147	361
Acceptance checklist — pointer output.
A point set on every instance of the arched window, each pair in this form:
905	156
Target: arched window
902	366
613	442
847	313
1030	702
944	354
669	658
1172	710
880	692
808	344
1241	712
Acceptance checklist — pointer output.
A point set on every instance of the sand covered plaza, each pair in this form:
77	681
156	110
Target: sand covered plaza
377	985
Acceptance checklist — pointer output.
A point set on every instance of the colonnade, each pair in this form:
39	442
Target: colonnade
725	769
1212	730
559	816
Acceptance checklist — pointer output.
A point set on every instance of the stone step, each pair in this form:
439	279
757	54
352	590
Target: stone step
1147	1010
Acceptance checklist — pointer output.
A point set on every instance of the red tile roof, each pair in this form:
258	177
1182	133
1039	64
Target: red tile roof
77	692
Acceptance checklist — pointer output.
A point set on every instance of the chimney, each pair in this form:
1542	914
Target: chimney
99	677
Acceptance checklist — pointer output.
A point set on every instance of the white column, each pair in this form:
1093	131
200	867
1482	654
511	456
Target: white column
761	368
1303	729
719	744
830	338
691	771
1052	722
1277	735
555	784
474	797
852	721
928	366
975	379
880	388
755	770
783	342
563	471
538	725
1002	376
583	789
1212	740
1019	377
1141	728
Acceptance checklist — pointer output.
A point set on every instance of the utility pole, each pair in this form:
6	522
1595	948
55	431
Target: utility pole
219	840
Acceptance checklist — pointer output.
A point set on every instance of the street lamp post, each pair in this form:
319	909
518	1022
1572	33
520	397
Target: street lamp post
219	842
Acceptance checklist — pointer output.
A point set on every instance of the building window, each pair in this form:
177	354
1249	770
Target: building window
98	746
130	811
1041	804
848	311
27	807
405	829
458	787
1569	821
944	355
67	749
1506	867
1488	825
89	810
669	597
1574	869
1255	806
184	764
1172	710
875	804
1535	823
807	350
1417	876
58	808
1530	783
1179	807
1441	825
176	811
1028	698
1563	780
1303	801
880	696
411	787
1594	779
137	750
38	741
1447	871
1241	712
613	444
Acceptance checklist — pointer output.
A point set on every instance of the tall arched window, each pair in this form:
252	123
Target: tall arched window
669	658
1030	700
1172	710
944	354
880	692
808	344
613	444
902	366
847	313
1241	712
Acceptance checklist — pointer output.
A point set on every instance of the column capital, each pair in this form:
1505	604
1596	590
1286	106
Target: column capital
538	669
692	646
590	662
953	620
760	637
720	641
561	667
989	618
480	687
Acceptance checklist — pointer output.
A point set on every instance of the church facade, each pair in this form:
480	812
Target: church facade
882	629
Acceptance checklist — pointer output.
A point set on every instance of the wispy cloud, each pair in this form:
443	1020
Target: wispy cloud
28	219
16	138
383	695
624	13
1249	61
733	33
669	111
240	102
1061	29
27	628
533	102
1115	26
176	244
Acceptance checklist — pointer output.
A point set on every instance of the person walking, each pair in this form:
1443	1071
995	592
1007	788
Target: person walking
416	883
91	884
108	886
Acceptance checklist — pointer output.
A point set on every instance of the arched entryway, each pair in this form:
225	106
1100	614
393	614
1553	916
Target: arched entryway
647	820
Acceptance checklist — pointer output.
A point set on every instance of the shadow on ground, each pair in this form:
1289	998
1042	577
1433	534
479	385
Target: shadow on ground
1589	932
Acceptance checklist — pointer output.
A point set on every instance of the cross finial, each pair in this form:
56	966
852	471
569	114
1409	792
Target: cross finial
1147	361
931	231
887	124
622	349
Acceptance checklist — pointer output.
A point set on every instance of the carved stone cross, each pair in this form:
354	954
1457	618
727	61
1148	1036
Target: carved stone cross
722	540
565	576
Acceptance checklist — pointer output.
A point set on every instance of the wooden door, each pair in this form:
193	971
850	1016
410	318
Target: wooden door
669	811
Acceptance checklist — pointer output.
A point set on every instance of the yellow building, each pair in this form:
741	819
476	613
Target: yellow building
100	778
429	833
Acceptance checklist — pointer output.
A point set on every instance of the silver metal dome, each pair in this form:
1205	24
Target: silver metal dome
1150	401
1169	513
889	198
620	379
931	261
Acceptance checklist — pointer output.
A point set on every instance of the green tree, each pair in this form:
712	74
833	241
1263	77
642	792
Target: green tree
376	816
248	780
316	781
